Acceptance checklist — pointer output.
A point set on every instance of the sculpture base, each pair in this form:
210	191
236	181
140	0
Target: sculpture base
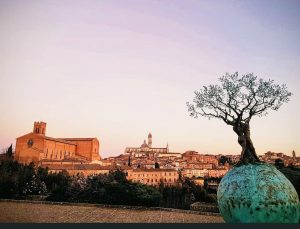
257	193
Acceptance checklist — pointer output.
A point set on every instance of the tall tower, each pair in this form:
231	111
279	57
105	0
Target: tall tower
39	128
150	140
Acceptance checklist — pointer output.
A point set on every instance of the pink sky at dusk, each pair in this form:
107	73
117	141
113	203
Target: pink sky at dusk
117	70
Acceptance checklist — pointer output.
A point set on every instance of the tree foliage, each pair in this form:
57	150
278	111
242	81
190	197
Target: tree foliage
223	159
19	181
238	98
293	174
112	188
9	152
156	165
184	195
279	163
235	101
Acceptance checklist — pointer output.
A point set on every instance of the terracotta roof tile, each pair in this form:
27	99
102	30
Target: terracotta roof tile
79	167
59	140
154	170
77	139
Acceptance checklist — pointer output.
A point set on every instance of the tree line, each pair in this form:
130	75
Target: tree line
18	181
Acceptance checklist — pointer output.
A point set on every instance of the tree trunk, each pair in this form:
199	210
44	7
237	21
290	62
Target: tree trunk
248	154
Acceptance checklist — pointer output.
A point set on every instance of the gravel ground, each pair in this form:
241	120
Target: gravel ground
13	212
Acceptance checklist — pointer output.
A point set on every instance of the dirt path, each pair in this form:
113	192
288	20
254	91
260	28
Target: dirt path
13	212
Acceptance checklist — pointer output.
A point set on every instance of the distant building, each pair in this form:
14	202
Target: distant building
235	158
199	181
199	165
193	156
194	173
154	177
146	150
270	157
213	184
83	169
217	173
38	148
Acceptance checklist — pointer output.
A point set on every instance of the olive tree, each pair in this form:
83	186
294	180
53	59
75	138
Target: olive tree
235	101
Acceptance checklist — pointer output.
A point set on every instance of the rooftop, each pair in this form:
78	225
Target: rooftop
78	139
80	167
154	170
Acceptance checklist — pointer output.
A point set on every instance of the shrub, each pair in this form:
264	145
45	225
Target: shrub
34	187
57	184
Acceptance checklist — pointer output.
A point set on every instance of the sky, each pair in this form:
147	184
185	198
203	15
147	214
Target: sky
117	70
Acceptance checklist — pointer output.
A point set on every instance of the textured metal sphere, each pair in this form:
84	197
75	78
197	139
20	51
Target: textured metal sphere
257	193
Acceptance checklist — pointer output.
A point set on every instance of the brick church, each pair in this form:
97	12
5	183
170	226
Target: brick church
38	148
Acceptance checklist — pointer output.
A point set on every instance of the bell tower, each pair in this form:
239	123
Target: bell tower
39	128
150	140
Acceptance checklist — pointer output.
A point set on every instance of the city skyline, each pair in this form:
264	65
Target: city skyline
117	71
146	140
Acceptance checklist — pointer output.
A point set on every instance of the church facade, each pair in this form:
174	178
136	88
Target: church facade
38	148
